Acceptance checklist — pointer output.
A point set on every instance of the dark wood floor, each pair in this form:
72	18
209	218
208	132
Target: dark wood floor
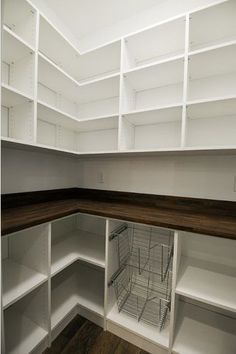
84	337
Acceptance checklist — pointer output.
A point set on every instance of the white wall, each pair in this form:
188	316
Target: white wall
193	176
24	171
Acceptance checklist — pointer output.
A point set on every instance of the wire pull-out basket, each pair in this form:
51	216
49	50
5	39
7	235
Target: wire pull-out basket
142	282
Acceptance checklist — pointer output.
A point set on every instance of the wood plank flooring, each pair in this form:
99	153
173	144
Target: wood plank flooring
84	337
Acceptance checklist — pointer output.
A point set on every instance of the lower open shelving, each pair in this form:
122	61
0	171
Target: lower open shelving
18	280
201	331
211	283
26	322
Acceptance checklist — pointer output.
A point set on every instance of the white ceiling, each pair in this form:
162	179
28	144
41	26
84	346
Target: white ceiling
84	17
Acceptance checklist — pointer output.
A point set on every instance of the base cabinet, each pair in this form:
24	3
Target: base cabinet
162	290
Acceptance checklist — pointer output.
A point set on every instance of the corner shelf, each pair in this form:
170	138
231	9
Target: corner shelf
78	245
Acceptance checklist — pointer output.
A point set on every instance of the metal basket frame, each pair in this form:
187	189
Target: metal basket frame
142	283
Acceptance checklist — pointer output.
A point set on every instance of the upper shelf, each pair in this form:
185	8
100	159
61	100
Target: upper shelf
155	44
20	17
84	68
205	30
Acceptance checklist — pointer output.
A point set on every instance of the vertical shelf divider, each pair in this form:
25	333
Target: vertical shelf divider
185	83
35	118
174	303
106	274
121	92
49	283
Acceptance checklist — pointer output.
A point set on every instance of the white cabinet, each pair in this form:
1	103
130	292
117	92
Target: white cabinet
159	289
147	91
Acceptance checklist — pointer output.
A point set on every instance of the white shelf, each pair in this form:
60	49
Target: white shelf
13	97
208	77
205	29
78	245
152	129
168	73
211	122
15	48
91	293
22	334
210	283
156	85
84	67
18	280
157	43
200	331
144	330
64	295
20	17
53	78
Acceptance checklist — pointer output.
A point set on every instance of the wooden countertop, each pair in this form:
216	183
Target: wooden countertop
217	218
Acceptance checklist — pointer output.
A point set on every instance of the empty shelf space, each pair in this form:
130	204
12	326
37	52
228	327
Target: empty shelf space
20	17
208	282
211	123
161	42
17	64
99	63
64	294
25	262
58	130
204	25
212	74
200	331
22	334
78	245
13	97
26	322
152	129
18	280
158	85
142	329
91	288
84	67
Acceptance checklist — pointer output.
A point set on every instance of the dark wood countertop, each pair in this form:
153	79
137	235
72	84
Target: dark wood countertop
210	217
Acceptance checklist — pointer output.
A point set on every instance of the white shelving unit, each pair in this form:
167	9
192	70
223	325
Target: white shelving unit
202	331
26	323
70	265
25	263
204	274
78	238
140	93
148	47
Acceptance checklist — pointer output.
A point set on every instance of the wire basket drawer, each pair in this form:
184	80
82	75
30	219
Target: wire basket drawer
142	283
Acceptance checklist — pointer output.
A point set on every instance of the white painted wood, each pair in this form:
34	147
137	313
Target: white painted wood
19	17
27	320
157	43
208	282
18	280
202	331
20	60
185	83
64	295
78	245
212	122
90	293
174	300
205	29
25	266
